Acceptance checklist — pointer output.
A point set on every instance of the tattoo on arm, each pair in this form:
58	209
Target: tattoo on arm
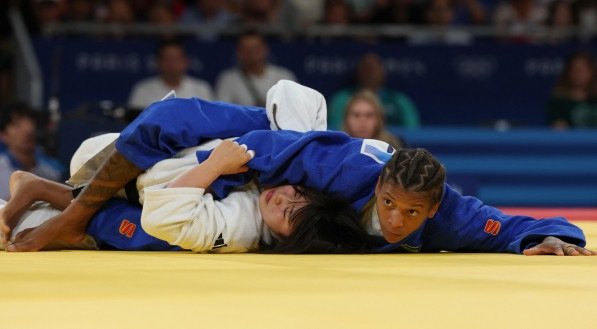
113	174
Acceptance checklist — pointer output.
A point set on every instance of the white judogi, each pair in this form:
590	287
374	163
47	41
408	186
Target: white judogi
192	219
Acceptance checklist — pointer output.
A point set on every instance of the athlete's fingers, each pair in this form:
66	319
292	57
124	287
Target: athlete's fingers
541	249
559	250
244	147
584	251
571	251
531	251
251	154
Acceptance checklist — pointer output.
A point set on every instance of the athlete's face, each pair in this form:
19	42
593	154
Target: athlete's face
277	204
401	212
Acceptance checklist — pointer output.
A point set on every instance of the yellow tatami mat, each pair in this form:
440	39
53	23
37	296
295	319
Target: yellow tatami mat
87	289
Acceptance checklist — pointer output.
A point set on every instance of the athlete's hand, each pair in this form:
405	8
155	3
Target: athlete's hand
554	246
231	158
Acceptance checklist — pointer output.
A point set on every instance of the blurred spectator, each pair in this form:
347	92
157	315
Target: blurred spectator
587	17
364	118
6	61
120	12
561	19
211	14
305	13
470	12
81	10
161	14
440	14
248	83
361	9
47	12
371	75
18	127
392	12
172	65
519	17
337	13
259	13
574	100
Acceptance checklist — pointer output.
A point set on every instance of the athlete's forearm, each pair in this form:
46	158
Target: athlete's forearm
200	176
113	174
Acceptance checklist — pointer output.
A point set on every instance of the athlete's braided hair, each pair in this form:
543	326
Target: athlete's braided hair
415	170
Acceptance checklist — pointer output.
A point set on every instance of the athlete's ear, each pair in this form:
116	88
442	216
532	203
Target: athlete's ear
433	210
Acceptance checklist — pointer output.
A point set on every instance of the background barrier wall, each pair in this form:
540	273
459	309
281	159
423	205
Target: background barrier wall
451	85
522	167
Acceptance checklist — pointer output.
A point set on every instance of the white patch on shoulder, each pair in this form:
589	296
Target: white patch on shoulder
377	150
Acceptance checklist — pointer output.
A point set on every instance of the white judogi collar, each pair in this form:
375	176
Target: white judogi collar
373	227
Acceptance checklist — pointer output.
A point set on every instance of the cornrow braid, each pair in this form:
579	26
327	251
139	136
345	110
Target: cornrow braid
415	170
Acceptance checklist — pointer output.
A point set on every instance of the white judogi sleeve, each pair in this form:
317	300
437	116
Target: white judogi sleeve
192	219
292	106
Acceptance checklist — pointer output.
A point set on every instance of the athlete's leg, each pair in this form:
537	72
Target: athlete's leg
69	226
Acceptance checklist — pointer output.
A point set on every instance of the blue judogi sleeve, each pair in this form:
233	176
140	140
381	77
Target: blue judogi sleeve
464	223
169	126
118	226
331	162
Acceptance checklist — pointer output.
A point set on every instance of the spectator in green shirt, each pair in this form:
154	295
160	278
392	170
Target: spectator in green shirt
573	103
399	108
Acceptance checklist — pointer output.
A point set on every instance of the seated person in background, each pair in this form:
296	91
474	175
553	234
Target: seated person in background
18	132
364	118
172	65
573	103
248	83
399	108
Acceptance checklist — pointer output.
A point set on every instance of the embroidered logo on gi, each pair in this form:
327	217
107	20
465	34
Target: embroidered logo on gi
220	243
492	227
127	228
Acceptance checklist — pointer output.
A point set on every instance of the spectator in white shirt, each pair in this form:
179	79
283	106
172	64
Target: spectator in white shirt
172	65
247	84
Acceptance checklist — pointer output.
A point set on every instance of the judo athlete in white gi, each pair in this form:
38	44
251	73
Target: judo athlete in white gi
185	215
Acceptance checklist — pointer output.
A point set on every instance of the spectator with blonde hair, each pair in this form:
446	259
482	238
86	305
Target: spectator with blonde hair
364	118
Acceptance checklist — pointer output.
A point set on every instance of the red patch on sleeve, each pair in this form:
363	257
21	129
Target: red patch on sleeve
492	227
127	228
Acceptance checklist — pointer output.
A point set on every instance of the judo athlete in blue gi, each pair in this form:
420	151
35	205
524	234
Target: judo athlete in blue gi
406	203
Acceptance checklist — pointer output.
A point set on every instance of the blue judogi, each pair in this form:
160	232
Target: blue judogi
118	226
464	223
334	163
